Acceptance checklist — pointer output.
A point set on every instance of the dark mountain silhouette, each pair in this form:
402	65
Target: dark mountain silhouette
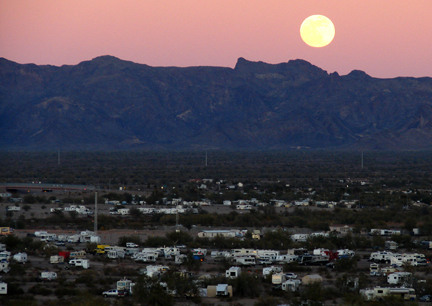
108	103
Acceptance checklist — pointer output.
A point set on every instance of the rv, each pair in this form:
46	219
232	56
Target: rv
391	245
272	270
48	276
20	258
243	252
297	252
233	272
146	257
6	231
125	285
300	237
5	255
85	263
77	254
399	278
281	259
278	278
55	259
291	285
379	293
3	288
4	267
117	253
245	260
313	260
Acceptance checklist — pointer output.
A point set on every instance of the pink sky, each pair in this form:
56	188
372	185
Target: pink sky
384	38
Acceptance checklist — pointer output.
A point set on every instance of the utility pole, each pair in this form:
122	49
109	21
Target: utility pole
206	159
96	212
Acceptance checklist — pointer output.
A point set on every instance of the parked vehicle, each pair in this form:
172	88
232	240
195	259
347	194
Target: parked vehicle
20	257
48	276
80	263
114	293
426	298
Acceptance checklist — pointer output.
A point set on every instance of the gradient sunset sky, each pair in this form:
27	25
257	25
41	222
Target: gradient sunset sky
384	38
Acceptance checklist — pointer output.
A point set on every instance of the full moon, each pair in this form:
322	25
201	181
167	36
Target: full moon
317	31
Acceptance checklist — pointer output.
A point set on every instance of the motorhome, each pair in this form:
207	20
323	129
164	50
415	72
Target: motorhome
244	260
4	267
243	252
281	259
55	259
85	263
145	257
77	254
379	293
125	285
20	258
313	260
402	278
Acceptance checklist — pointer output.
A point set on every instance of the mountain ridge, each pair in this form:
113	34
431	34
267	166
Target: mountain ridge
110	104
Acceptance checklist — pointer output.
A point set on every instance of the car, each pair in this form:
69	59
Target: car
291	275
114	293
426	298
59	243
131	245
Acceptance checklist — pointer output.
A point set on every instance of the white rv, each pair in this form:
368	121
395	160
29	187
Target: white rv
20	257
55	259
399	278
3	288
84	263
48	276
233	272
245	260
291	285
